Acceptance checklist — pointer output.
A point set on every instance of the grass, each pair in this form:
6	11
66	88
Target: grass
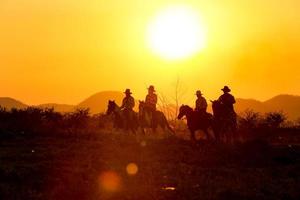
70	167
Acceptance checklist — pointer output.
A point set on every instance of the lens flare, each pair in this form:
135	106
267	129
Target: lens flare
110	181
132	169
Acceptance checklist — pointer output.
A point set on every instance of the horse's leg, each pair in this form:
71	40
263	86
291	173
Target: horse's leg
207	133
133	130
133	127
143	130
215	130
222	132
193	137
231	136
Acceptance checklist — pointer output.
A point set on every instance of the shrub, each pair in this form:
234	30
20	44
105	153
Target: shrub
77	119
274	119
249	119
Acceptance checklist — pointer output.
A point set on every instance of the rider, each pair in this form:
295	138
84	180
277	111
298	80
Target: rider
128	104
227	99
151	101
201	104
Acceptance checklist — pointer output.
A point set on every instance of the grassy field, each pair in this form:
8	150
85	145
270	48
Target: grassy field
95	166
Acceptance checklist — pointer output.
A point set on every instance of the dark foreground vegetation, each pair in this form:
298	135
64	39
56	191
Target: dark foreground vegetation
74	156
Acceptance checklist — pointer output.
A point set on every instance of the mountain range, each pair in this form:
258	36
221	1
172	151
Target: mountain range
97	103
288	104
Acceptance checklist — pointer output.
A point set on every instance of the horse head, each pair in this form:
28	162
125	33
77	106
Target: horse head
214	104
141	104
217	107
111	107
183	111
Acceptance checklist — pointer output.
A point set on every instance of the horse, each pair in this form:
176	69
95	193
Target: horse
148	120
225	121
120	121
195	121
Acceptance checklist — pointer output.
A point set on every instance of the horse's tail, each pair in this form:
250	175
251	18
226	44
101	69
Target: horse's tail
170	128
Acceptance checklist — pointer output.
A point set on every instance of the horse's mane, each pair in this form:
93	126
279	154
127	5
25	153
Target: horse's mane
113	103
142	103
187	107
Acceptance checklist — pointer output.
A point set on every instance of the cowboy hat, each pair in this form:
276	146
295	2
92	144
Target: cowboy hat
151	87
226	89
127	91
198	92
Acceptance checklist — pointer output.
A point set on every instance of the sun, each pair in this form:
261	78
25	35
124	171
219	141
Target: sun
176	33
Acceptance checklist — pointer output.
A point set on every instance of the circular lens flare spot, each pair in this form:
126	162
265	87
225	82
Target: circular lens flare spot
132	169
110	181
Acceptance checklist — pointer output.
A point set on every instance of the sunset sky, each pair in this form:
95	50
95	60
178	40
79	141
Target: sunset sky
66	50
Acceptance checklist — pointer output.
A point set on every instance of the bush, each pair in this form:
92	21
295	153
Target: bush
249	120
77	119
37	120
274	119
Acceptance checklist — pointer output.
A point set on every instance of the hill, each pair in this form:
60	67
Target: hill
250	104
289	104
9	103
98	102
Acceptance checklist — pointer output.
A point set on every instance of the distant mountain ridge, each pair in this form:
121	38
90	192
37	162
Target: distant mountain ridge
9	103
289	104
98	102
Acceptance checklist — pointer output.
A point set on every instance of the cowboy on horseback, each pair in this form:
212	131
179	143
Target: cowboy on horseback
150	102
227	99
127	106
228	118
201	104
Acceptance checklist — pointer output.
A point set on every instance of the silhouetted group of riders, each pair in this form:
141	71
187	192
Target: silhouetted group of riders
149	104
222	120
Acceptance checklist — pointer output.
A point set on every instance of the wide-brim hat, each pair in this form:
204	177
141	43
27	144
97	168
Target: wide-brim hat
127	91
226	89
198	92
151	87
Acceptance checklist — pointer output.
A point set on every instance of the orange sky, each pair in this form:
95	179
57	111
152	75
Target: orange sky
65	50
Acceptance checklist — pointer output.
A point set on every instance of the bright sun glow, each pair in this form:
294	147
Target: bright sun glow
176	33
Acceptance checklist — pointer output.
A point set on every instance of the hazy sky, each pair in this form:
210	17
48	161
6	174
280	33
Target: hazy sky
65	50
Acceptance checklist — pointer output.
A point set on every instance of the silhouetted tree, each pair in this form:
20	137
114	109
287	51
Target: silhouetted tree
249	119
274	119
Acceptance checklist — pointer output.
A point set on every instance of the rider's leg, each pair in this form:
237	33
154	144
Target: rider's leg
127	119
193	137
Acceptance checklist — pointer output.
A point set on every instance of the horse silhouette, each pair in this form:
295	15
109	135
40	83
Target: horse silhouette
153	121
120	121
225	121
195	121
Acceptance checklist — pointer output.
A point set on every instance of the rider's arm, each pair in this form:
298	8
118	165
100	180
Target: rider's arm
205	103
233	100
132	102
146	99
